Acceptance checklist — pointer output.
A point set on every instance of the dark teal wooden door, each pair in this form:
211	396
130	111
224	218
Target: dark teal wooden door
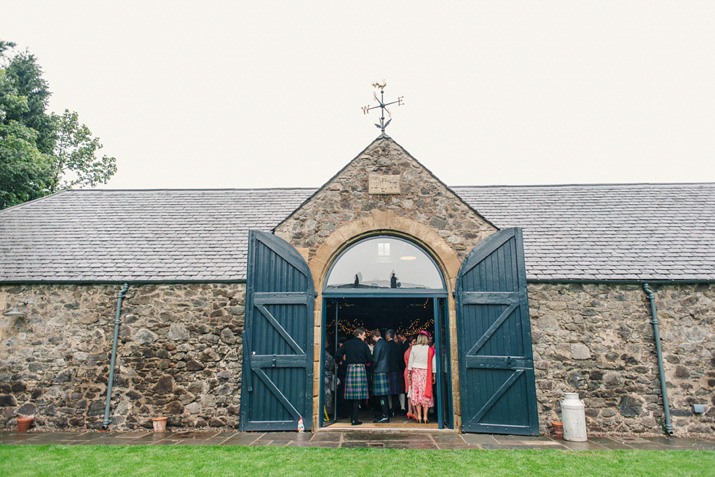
277	385
496	365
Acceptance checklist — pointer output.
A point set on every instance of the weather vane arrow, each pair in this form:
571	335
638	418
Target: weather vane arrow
382	105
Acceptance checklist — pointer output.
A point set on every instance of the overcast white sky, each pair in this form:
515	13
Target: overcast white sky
243	94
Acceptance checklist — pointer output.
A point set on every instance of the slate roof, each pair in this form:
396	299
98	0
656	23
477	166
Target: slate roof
578	232
138	235
607	232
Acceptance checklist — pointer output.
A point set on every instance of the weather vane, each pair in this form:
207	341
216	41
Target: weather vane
382	105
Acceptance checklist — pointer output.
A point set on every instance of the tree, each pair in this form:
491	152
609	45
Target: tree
24	170
40	152
25	75
75	161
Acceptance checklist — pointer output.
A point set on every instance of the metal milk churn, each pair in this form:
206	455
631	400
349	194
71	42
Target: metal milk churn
573	417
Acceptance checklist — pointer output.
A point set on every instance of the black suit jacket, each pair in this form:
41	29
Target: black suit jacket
395	357
380	356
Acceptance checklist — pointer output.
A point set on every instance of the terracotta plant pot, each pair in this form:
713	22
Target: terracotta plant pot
23	423
558	428
159	424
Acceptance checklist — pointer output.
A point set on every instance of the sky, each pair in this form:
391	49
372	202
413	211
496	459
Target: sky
247	94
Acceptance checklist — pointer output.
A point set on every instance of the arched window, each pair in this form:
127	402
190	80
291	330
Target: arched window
384	262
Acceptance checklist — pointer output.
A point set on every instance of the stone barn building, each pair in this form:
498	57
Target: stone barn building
228	299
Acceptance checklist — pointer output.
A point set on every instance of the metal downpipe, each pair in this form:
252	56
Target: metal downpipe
117	322
661	369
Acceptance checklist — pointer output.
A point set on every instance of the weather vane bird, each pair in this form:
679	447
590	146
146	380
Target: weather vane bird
382	105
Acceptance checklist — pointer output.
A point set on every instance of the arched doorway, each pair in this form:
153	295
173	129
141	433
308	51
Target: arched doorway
387	282
491	329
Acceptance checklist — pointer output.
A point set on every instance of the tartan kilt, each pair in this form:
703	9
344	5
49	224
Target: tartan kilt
395	382
380	386
356	382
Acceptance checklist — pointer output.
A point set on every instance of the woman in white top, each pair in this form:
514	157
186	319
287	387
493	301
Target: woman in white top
421	367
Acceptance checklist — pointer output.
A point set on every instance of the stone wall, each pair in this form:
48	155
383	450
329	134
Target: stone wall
179	355
597	340
346	198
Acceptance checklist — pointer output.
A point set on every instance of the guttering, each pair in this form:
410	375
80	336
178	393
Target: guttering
117	322
661	369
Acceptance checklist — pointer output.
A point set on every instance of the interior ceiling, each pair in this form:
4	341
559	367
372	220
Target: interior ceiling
380	313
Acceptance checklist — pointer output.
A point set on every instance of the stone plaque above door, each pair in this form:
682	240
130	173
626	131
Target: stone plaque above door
384	184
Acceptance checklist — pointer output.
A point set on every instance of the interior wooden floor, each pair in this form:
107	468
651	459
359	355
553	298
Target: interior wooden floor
397	422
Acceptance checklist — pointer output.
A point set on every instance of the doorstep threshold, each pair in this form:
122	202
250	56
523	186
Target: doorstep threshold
381	428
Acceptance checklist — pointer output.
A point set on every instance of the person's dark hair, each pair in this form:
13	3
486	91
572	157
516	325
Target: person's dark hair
376	334
358	331
342	339
390	334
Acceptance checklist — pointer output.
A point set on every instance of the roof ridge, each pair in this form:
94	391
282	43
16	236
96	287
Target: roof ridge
603	184
185	189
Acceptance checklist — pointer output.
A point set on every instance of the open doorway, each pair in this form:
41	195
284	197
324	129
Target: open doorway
405	315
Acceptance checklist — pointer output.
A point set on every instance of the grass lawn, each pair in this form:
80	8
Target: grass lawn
192	460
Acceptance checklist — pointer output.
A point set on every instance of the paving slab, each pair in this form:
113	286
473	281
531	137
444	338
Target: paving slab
609	443
241	440
453	439
329	445
15	437
505	446
581	446
201	442
386	436
285	437
508	439
479	439
126	435
326	437
410	445
152	437
165	442
457	447
351	439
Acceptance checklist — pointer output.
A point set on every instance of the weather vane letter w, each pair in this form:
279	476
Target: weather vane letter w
382	105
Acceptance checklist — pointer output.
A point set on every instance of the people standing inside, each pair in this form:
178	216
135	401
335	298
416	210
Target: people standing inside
380	384
401	340
421	368
430	343
394	377
410	407
330	380
357	355
342	370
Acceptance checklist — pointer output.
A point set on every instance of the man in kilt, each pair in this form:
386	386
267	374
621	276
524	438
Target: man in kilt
356	354
395	358
380	384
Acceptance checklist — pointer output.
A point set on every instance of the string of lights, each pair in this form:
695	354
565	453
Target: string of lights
347	326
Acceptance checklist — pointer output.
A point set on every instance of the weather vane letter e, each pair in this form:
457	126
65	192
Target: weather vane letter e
382	105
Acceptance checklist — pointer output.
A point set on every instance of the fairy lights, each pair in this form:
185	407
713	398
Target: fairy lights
347	326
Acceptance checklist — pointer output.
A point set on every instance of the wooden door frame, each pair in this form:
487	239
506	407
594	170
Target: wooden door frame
436	295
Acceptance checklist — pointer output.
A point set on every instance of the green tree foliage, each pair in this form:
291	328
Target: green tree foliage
75	156
24	170
40	152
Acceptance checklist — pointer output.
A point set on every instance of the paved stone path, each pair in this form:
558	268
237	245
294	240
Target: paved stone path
353	438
